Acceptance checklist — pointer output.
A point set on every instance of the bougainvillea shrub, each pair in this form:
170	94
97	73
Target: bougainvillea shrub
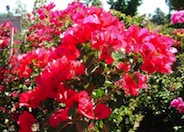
74	63
177	17
154	102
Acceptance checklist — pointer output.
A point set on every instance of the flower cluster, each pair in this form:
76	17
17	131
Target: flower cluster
179	31
5	29
49	28
73	55
177	17
178	104
5	52
130	85
24	63
154	48
178	35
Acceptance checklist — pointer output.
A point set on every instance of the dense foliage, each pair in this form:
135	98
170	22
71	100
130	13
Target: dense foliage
175	4
129	7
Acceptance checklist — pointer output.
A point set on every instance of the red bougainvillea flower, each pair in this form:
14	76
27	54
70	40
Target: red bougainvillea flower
68	50
105	54
148	49
58	117
78	68
66	96
80	33
20	65
101	111
85	106
87	109
178	104
107	41
39	57
32	98
124	66
97	40
25	121
49	83
56	72
69	37
133	83
64	69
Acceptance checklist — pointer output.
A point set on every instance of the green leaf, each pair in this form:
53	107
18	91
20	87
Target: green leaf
97	93
98	79
101	124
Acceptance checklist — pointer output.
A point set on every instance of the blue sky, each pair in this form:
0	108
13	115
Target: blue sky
148	6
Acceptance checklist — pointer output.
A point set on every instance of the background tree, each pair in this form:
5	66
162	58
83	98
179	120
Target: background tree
20	10
175	4
97	3
129	7
159	17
